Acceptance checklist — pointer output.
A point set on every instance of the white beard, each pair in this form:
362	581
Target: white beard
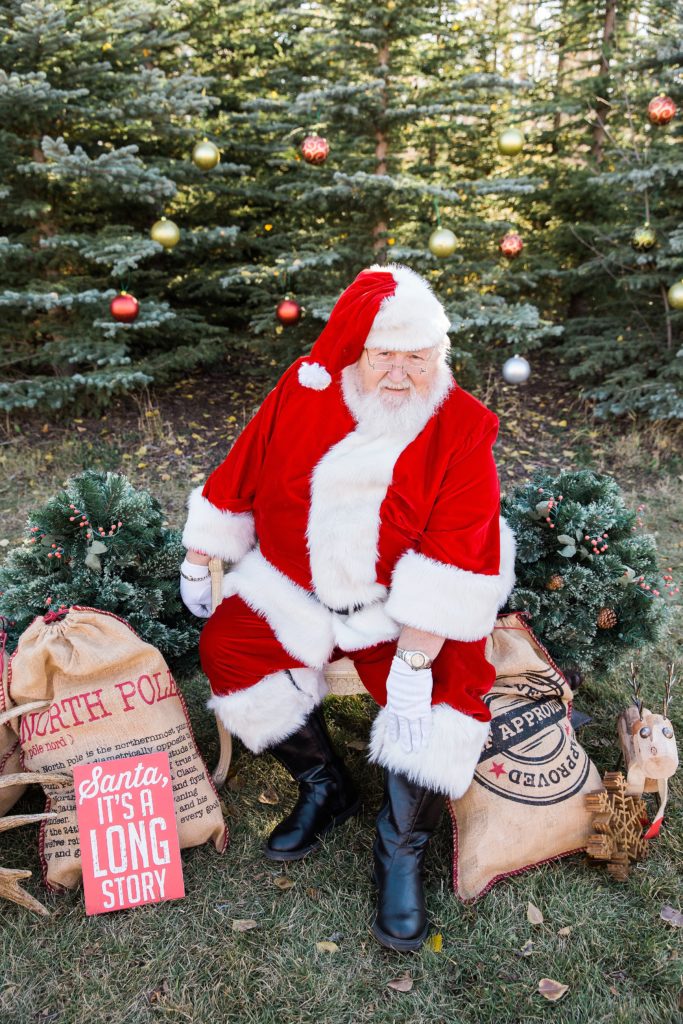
382	411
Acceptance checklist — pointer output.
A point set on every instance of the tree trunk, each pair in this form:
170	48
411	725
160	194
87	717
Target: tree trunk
379	231
602	104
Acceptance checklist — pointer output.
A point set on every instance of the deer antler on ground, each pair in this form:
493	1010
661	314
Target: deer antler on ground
10	889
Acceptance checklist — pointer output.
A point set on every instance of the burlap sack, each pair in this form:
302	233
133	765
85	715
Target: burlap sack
10	750
526	803
111	695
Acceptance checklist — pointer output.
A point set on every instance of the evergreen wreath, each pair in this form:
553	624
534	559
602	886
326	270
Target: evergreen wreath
586	573
100	542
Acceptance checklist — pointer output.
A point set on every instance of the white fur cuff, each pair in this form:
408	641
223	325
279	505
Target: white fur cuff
272	709
449	601
447	764
223	534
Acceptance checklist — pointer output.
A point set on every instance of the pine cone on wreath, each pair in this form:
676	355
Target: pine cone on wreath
607	618
556	582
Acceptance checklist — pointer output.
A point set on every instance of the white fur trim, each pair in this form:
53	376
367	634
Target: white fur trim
412	318
272	709
449	601
348	486
313	375
302	625
364	628
447	764
223	534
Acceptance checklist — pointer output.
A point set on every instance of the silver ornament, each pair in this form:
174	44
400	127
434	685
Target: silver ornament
516	370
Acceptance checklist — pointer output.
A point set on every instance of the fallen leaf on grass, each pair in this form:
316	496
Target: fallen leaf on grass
435	943
671	916
159	992
564	932
552	990
533	914
235	783
313	893
269	796
284	883
326	947
244	924
403	984
527	948
356	745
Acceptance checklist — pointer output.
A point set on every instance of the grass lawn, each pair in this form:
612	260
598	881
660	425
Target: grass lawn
183	962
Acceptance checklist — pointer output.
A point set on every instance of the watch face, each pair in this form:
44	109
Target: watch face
418	660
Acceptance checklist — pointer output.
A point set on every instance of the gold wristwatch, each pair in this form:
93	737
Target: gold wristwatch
416	659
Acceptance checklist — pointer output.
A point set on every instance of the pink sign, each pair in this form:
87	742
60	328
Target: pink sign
128	833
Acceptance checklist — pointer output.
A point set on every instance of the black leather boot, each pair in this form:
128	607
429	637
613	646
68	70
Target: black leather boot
405	824
327	797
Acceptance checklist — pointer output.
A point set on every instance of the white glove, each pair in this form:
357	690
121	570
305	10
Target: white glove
196	592
409	703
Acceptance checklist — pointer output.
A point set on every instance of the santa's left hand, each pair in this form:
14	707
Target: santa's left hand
409	705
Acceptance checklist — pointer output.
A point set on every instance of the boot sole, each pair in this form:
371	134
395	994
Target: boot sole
399	945
288	855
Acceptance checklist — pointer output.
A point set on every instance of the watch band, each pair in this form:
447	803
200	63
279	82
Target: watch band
195	579
415	659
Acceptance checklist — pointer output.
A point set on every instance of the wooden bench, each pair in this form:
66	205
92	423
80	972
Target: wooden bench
341	678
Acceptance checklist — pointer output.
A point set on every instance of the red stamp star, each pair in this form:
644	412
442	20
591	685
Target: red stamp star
498	769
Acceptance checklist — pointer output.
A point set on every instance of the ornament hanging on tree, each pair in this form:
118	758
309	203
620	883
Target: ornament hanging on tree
556	582
511	142
661	109
675	295
165	232
288	312
516	370
315	149
644	238
442	242
206	155
124	308
511	245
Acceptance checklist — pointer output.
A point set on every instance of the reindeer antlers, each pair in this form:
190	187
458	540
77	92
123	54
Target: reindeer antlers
668	687
635	686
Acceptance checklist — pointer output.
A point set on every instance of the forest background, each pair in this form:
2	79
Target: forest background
101	106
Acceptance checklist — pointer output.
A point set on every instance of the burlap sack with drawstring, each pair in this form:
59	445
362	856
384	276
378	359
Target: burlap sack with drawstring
526	803
111	695
10	750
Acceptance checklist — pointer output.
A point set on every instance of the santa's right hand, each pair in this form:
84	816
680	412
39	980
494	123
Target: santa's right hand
195	588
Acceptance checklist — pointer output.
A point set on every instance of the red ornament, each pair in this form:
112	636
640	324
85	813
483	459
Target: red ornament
661	110
124	308
315	149
511	245
288	312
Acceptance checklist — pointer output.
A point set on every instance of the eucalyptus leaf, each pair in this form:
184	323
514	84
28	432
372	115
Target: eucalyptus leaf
98	548
93	562
565	539
568	551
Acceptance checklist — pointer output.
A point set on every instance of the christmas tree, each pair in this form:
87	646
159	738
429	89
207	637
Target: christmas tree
101	544
586	574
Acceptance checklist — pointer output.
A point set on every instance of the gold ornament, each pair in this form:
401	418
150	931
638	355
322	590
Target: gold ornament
555	582
607	618
442	242
675	295
511	142
205	155
643	238
165	232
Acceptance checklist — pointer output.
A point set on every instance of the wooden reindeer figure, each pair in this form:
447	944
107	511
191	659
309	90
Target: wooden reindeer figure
649	747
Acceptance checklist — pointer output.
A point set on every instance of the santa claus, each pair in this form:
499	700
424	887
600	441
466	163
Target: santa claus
359	510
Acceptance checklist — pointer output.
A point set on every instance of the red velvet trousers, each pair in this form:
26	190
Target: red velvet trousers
237	648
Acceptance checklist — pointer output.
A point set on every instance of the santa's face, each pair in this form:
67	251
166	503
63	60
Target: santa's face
395	376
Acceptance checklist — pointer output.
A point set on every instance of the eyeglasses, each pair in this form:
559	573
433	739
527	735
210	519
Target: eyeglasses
412	362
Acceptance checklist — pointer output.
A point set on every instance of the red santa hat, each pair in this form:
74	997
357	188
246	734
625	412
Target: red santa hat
390	308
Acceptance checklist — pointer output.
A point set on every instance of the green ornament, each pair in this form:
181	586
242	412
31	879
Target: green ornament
442	242
511	142
644	238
